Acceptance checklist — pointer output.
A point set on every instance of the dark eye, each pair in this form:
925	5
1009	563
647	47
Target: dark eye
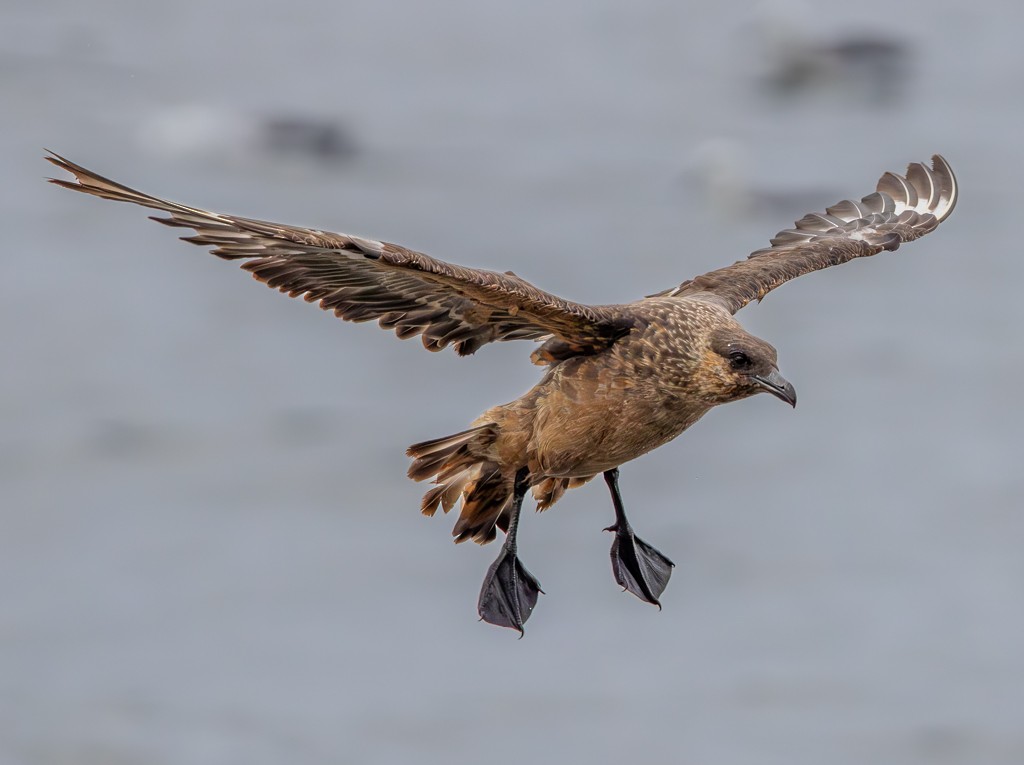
738	360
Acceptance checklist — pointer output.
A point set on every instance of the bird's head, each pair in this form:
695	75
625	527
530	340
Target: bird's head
737	365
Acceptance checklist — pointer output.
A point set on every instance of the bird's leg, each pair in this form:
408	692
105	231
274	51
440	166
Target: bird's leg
637	566
510	592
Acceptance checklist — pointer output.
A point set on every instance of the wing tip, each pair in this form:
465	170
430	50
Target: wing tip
64	164
87	181
925	190
950	190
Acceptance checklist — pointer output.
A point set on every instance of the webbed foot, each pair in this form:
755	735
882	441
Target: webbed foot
509	592
638	567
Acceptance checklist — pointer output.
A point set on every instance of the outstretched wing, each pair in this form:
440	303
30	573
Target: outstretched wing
901	210
363	279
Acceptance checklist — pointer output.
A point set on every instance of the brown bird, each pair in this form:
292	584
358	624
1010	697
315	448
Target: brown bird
620	380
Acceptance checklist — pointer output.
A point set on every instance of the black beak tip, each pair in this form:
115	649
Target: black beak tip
778	386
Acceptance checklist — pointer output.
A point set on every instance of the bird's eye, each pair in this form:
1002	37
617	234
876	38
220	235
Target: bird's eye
738	360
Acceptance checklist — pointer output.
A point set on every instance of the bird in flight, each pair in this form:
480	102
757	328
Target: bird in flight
619	380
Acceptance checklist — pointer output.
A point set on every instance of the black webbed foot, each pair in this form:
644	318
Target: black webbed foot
638	567
509	592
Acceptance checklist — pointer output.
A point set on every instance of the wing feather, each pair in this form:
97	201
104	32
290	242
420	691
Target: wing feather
364	279
901	209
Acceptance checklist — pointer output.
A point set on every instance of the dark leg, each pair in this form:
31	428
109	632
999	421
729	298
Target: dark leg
637	566
510	592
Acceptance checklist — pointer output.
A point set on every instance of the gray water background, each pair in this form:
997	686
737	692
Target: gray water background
208	549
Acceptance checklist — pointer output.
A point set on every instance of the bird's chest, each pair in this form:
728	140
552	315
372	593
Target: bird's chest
593	419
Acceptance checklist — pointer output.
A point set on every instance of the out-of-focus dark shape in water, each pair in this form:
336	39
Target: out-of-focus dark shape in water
864	64
319	139
198	131
120	439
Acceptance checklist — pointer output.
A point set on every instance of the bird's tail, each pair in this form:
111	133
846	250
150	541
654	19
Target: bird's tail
462	467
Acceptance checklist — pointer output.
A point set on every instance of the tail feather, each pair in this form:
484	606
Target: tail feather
483	501
446	494
431	456
461	467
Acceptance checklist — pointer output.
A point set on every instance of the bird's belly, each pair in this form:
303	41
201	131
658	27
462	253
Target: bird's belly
574	438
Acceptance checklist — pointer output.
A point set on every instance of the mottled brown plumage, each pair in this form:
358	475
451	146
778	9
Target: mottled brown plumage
621	380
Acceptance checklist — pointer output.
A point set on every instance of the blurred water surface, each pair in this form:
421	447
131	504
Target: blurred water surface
209	551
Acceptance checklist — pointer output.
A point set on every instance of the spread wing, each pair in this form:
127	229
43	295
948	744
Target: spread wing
363	279
901	210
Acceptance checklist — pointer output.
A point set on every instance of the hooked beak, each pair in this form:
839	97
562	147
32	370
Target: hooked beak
777	385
